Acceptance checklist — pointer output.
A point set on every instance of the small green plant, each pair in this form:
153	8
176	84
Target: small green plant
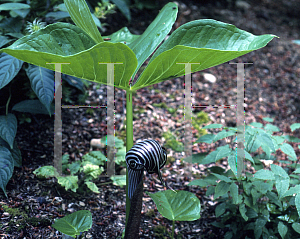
83	172
74	224
172	142
200	119
263	205
170	206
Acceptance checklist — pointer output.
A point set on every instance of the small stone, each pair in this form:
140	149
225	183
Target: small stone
209	77
71	210
81	203
96	143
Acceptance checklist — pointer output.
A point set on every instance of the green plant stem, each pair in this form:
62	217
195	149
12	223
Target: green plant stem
173	225
129	141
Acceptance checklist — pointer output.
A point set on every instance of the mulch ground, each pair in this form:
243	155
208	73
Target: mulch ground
272	89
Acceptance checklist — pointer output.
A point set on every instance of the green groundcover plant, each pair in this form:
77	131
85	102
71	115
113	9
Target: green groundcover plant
204	42
265	204
83	172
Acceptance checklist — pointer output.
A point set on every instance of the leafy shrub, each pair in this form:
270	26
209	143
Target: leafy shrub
263	205
80	173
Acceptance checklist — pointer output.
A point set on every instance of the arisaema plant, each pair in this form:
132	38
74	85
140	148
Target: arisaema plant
205	42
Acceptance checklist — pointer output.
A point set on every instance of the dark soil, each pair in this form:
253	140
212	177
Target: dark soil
272	89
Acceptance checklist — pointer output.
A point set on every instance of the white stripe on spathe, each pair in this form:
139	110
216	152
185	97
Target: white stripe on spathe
148	155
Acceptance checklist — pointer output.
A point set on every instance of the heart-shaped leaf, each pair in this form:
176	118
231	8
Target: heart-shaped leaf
81	15
74	223
10	67
42	83
178	206
205	42
8	128
66	43
6	167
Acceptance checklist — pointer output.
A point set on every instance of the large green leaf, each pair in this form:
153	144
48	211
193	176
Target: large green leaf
66	43
178	206
206	41
74	223
10	67
81	15
8	128
144	46
6	167
60	38
42	83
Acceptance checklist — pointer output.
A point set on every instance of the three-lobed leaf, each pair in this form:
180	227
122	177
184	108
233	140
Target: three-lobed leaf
205	42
